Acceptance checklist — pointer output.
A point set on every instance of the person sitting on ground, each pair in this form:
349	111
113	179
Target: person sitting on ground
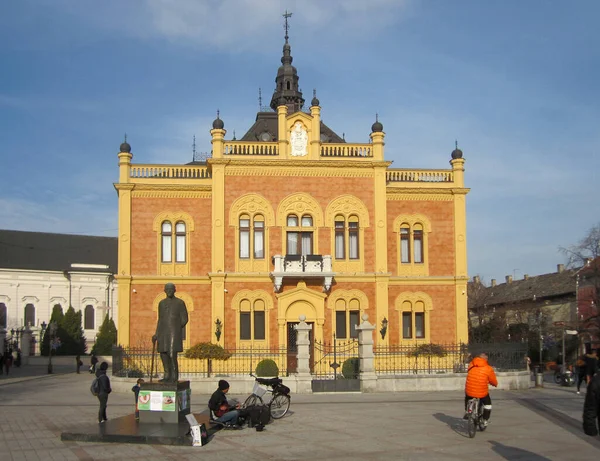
479	375
224	412
591	407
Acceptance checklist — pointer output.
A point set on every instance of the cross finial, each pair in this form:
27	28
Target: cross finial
125	137
376	117
194	146
314	92
234	139
286	26
218	113
456	143
259	99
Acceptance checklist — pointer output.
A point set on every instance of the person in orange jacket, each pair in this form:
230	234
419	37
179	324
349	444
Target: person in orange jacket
479	375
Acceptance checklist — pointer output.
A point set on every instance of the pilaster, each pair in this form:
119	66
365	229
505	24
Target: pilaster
282	134
377	138
460	245
124	300
218	309
315	142
217	141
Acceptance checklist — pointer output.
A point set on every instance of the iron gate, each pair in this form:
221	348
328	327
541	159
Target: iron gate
336	366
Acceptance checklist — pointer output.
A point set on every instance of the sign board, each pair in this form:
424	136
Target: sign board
571	332
164	400
198	431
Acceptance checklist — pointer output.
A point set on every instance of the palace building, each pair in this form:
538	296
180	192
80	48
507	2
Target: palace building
293	220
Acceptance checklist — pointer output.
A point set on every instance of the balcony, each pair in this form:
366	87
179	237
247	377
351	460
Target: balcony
302	266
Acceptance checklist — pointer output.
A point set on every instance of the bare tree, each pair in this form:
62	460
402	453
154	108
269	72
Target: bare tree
586	254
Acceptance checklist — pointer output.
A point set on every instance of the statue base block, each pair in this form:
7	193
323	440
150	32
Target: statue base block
164	402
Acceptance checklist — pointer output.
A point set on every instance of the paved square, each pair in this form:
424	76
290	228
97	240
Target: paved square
538	425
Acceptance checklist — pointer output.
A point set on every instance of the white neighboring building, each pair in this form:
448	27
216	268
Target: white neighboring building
40	270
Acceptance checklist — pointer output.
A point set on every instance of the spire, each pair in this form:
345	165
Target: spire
286	82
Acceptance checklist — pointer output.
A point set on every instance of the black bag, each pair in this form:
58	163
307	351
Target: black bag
258	415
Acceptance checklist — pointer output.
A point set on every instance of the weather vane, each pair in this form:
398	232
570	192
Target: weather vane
286	15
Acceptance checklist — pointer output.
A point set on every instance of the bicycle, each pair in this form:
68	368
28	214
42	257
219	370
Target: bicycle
475	417
280	398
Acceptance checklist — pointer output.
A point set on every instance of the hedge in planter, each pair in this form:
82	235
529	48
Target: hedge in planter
267	367
351	368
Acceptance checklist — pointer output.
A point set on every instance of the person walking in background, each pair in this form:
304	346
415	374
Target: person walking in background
78	363
8	361
104	390
591	407
136	391
581	374
93	361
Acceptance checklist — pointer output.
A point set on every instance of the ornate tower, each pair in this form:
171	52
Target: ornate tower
286	82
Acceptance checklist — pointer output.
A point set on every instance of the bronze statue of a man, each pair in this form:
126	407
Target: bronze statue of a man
172	318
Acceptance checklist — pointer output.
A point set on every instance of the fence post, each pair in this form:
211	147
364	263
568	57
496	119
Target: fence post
303	377
26	345
368	378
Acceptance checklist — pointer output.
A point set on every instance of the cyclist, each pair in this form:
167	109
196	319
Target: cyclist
479	375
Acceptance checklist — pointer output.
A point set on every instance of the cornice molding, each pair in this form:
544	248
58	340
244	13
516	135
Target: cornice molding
171	194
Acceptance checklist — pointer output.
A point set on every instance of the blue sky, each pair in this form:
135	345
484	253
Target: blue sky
515	82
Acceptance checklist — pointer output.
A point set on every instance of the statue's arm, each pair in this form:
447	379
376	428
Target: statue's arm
184	315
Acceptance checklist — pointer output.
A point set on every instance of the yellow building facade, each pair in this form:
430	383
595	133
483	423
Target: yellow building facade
293	220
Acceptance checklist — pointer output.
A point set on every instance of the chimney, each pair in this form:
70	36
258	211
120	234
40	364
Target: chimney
526	277
493	282
560	268
509	279
476	279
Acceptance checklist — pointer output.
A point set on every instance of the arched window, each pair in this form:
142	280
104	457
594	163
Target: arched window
252	320
89	317
180	242
300	237
259	237
29	317
167	242
346	232
413	320
347	317
3	316
288	85
244	236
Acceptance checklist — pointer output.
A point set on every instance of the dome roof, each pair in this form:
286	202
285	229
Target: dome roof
457	153
125	147
218	124
377	127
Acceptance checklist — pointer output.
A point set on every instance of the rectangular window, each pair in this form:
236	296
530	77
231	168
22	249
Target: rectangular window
307	243
354	319
180	249
353	237
166	248
245	325
404	245
259	239
292	243
418	245
340	324
339	240
407	325
259	324
244	238
419	324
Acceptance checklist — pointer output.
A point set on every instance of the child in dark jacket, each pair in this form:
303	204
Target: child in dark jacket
136	391
105	389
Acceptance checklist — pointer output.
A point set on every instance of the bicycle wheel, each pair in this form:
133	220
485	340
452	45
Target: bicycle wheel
279	406
471	421
253	399
482	426
557	377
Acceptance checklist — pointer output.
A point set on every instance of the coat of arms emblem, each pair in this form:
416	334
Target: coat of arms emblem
299	140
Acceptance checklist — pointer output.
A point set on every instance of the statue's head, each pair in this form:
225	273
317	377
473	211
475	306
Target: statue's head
170	290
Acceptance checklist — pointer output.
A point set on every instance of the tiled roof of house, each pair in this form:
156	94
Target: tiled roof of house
533	288
55	252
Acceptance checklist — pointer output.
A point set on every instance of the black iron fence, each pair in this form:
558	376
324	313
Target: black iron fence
136	362
335	359
447	358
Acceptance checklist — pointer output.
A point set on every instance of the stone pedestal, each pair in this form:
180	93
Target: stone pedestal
26	345
368	378
164	402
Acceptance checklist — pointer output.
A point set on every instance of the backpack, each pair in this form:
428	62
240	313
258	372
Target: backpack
95	387
258	415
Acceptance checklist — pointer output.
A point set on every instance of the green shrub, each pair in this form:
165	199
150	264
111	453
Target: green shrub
207	351
351	368
267	367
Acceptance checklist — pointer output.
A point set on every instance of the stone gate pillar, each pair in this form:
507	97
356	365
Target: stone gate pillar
25	345
368	378
303	377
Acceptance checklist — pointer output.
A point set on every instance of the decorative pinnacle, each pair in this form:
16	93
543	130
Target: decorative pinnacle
125	138
259	99
218	113
314	92
376	117
456	144
286	26
194	146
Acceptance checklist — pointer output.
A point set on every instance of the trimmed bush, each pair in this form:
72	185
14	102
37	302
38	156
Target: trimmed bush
267	367
207	351
351	368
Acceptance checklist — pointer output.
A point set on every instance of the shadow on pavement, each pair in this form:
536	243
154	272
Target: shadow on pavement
458	425
514	453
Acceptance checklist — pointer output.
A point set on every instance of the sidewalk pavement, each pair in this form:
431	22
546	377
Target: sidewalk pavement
538	424
28	372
